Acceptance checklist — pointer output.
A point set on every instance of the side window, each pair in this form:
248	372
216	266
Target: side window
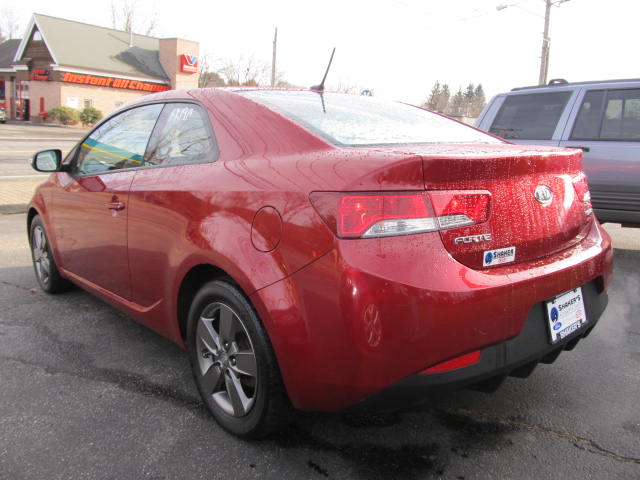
183	136
609	115
118	143
621	115
530	117
587	126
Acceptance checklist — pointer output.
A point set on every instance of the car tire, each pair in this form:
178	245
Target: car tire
44	264
233	363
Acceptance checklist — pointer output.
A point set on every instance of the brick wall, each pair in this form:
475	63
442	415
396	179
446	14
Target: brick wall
63	94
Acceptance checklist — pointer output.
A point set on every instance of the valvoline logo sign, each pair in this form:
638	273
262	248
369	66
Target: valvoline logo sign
189	63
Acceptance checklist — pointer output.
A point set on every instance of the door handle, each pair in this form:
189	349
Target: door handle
584	149
116	205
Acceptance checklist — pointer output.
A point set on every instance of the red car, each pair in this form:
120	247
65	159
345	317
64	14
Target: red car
324	251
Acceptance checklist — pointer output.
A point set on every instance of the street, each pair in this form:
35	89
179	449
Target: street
88	393
18	143
16	149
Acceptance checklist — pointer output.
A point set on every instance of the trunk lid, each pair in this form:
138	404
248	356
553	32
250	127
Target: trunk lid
520	227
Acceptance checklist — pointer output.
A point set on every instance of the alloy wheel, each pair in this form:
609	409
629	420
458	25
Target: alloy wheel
41	258
226	360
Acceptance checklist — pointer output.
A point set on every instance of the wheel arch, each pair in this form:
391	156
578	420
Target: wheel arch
197	276
31	214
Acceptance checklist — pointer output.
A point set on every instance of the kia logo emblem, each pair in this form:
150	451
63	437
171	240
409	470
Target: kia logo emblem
543	194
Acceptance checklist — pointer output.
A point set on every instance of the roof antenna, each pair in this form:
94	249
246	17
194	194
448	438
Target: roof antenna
320	88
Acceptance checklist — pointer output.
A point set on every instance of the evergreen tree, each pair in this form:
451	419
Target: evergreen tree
457	104
443	99
465	103
479	101
432	102
469	95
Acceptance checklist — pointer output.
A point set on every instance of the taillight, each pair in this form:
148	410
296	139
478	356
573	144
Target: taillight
581	186
460	208
369	215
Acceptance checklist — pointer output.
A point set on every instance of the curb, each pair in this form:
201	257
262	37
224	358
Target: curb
13	209
28	123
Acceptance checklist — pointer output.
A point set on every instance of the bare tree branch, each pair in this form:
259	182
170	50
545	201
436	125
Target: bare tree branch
10	24
124	15
244	70
207	77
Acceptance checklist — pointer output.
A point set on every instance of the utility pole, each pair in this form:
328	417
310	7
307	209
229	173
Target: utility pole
544	56
273	59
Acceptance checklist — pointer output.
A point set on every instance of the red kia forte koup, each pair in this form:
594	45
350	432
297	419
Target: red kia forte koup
324	251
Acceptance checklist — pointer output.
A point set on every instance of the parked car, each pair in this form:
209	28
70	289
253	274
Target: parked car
323	251
3	115
601	118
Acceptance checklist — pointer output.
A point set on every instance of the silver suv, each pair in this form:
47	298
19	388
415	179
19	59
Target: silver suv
601	118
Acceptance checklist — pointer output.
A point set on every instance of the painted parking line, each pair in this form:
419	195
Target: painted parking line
5	152
14	177
20	139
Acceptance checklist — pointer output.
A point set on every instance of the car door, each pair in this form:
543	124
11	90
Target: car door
607	128
90	210
166	195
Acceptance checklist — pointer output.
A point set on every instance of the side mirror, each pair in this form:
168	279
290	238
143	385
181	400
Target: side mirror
47	161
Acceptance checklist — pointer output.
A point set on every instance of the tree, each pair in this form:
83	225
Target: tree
125	15
65	115
432	102
90	115
467	103
207	77
347	87
456	106
10	24
281	83
479	102
245	71
443	99
469	96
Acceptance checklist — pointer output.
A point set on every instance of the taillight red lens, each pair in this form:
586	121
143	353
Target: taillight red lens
359	212
375	215
581	187
389	214
472	204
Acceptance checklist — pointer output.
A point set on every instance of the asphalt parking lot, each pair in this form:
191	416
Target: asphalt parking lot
88	393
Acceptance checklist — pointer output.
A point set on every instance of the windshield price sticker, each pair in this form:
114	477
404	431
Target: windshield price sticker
566	314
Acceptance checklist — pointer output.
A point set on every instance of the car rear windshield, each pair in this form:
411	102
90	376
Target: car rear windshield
353	120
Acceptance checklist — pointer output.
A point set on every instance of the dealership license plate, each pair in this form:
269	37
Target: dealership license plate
566	314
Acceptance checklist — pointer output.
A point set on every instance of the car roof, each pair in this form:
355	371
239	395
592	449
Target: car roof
560	82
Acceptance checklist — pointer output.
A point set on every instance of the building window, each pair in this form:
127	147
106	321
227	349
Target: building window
88	102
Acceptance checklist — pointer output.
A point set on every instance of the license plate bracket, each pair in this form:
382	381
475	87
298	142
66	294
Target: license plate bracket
565	314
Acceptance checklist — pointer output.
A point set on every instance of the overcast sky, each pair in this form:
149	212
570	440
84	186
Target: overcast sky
396	48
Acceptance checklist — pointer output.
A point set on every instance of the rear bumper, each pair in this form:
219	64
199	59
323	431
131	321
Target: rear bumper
371	314
516	357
